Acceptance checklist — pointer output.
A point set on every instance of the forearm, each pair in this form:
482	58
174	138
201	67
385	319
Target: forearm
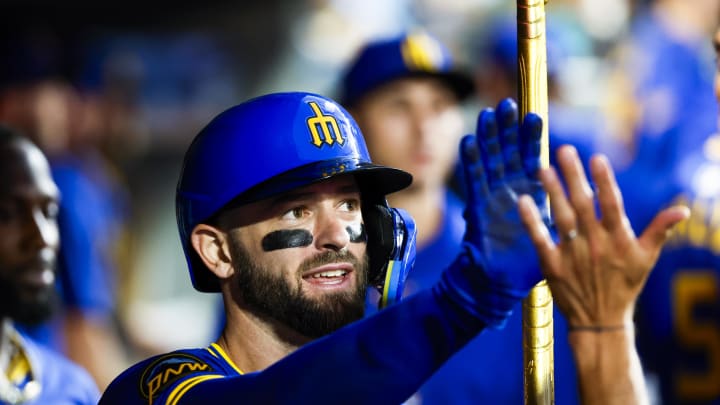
608	366
92	344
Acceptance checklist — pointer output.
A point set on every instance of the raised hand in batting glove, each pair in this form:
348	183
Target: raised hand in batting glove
498	264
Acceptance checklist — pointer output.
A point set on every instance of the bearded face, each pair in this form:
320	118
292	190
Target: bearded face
26	305
299	259
28	223
286	300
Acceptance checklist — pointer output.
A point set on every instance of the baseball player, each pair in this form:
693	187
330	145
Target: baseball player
29	372
281	210
679	310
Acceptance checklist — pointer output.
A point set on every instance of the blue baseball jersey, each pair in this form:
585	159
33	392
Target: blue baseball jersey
380	359
438	253
60	381
679	309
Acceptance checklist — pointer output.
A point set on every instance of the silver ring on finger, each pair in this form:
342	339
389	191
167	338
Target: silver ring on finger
571	234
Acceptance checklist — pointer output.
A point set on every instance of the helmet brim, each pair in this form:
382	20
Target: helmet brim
460	83
372	179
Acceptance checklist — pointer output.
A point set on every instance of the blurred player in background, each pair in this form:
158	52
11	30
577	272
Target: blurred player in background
29	372
679	310
660	98
405	95
493	47
68	126
664	110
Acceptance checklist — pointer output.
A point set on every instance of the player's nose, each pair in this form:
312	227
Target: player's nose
331	231
42	232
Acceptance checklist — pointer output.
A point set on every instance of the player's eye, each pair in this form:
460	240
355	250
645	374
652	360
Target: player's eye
294	213
350	205
398	105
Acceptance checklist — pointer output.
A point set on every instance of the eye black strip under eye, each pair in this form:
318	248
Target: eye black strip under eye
357	233
286	239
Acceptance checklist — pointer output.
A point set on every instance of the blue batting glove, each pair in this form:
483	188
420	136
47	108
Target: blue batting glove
498	265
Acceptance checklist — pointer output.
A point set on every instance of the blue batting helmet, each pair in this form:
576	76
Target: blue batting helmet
266	146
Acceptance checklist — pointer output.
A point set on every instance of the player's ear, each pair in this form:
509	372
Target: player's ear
210	243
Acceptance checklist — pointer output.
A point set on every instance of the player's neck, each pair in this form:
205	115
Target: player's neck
426	205
253	343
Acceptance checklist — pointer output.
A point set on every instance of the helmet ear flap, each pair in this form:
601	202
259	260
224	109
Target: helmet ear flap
381	239
391	236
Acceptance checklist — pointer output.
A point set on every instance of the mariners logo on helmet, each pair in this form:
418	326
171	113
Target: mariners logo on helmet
325	124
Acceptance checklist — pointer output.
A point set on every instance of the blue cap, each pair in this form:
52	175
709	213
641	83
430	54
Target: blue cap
498	42
408	55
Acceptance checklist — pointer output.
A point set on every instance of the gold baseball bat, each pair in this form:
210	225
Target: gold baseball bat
538	372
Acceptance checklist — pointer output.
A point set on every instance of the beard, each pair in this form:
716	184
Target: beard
27	307
271	295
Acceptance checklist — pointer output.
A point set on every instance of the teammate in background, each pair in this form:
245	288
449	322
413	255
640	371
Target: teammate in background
679	310
405	94
664	71
64	125
29	372
495	54
667	62
292	243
